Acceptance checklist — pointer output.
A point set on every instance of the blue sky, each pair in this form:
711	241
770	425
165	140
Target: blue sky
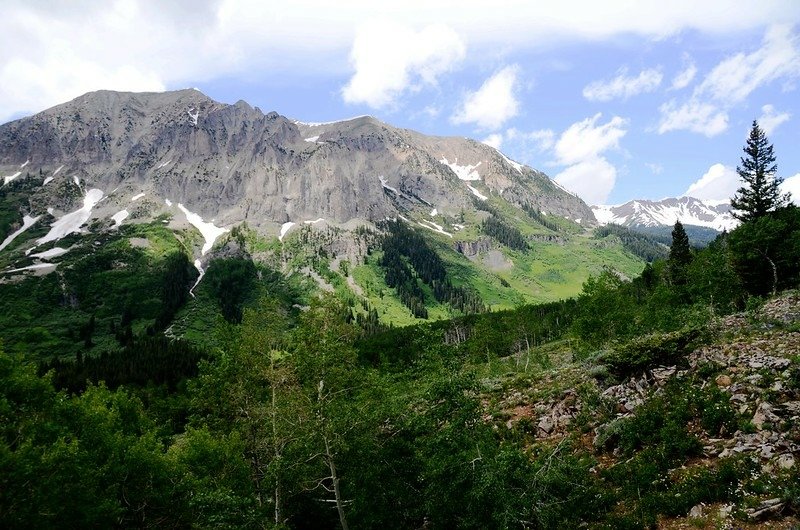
616	100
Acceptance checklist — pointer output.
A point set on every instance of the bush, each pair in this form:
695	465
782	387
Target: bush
654	350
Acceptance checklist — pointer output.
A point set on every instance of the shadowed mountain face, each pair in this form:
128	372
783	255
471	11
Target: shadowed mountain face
234	163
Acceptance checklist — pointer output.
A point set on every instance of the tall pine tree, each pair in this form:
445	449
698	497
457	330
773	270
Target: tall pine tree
680	255
760	193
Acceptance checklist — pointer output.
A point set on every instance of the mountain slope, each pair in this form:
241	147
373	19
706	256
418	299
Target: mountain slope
687	210
303	199
235	163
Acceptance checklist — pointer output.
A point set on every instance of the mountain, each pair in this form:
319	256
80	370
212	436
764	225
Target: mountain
110	185
234	163
688	210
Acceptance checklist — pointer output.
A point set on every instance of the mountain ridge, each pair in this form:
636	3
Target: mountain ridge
214	158
664	212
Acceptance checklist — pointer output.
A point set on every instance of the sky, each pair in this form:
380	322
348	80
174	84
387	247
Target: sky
616	100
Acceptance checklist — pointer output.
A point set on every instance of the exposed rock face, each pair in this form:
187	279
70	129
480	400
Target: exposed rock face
473	248
234	163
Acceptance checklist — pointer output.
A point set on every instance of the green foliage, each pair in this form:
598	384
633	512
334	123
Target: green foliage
761	193
649	351
680	255
646	247
656	440
504	233
231	282
408	259
699	236
766	251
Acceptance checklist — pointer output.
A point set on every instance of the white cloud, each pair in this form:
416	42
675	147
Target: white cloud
494	140
792	185
390	59
542	139
771	119
623	86
580	147
732	80
656	169
202	40
685	76
585	139
494	103
591	179
719	183
695	116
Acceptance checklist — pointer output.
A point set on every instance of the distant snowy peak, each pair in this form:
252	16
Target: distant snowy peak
687	210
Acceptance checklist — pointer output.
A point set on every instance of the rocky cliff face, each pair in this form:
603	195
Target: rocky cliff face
234	163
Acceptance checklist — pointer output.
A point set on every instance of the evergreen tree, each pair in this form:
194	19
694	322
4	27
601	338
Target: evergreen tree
680	255
761	193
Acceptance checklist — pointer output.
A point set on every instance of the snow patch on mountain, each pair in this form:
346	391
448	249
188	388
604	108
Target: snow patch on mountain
73	221
9	178
209	231
687	210
430	225
477	193
27	222
386	186
34	267
52	253
284	229
119	217
468	172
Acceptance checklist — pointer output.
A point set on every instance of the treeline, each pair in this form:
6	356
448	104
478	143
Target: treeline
757	259
539	217
145	360
470	338
641	245
506	234
408	259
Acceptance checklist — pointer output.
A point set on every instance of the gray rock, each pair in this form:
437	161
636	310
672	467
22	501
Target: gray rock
786	461
233	163
546	424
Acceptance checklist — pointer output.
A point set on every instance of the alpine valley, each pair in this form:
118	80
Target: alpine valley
101	194
213	317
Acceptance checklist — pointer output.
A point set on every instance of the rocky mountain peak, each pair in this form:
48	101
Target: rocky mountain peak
233	163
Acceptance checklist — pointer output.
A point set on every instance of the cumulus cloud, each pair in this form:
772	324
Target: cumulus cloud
592	180
719	183
390	59
792	185
586	139
494	103
494	140
623	86
685	76
580	147
770	119
694	116
203	40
